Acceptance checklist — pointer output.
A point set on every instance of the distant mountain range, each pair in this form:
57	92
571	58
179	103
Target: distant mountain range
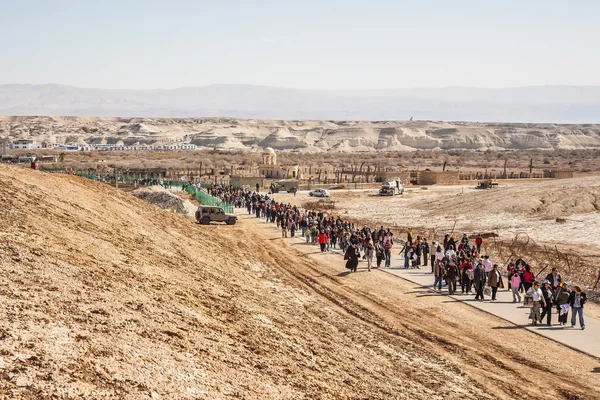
543	104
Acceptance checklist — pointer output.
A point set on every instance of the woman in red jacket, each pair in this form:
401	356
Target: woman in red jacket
528	277
322	240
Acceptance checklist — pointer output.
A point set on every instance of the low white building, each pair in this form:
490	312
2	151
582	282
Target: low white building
25	144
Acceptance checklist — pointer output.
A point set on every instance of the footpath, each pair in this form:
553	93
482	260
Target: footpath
586	341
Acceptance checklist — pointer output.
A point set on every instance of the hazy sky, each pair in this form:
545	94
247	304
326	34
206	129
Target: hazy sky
329	44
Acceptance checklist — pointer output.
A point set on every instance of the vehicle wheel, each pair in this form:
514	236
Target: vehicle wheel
310	194
206	220
231	221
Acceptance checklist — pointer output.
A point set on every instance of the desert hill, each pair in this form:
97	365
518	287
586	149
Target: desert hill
103	295
302	136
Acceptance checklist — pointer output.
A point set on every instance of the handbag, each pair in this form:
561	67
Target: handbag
528	301
470	274
487	291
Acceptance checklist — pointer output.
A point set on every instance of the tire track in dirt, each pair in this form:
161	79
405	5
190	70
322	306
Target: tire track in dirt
387	318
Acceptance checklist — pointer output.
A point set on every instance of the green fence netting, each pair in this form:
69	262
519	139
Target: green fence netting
201	196
206	199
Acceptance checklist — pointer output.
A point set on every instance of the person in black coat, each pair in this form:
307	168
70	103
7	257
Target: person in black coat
451	275
554	278
352	255
548	296
479	279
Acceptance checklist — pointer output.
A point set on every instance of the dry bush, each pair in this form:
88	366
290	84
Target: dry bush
340	186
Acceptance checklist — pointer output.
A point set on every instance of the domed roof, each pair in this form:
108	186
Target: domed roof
269	150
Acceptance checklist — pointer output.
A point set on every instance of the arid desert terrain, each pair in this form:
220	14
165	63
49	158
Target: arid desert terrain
104	295
303	136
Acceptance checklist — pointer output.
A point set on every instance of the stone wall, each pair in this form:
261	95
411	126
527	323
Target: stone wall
436	177
239	181
404	176
558	173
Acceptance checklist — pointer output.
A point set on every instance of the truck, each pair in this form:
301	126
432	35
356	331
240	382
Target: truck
207	214
391	188
487	184
284	185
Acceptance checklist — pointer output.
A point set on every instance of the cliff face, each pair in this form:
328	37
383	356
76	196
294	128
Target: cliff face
304	136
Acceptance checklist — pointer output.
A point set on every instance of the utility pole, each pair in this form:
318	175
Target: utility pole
531	166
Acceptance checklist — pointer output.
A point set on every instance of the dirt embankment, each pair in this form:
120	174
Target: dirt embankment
164	199
104	295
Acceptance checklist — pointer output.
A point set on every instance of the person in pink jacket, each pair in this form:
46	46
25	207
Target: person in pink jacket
515	282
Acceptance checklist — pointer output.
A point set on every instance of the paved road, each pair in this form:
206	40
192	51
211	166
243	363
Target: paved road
586	341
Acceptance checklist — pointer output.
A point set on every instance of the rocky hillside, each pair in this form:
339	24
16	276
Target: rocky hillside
304	136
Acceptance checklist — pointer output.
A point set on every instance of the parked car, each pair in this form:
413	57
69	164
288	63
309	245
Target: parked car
207	214
319	193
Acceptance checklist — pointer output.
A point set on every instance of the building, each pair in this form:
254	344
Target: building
251	181
558	173
270	169
437	177
25	144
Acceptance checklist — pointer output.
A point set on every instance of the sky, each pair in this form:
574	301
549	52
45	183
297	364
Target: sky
324	44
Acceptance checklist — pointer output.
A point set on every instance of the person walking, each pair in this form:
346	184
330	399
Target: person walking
432	256
322	239
548	296
387	247
478	243
528	277
561	298
439	256
554	278
467	278
479	279
425	249
538	302
451	275
438	273
369	250
495	280
379	253
577	299
515	282
351	257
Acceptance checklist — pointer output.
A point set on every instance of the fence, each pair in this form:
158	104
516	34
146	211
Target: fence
200	195
206	199
128	179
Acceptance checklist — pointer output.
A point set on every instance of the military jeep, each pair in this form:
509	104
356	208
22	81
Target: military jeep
207	214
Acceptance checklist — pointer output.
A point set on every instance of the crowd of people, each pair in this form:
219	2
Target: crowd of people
457	265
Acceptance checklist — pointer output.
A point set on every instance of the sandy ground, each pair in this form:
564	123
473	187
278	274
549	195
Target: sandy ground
105	296
474	340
